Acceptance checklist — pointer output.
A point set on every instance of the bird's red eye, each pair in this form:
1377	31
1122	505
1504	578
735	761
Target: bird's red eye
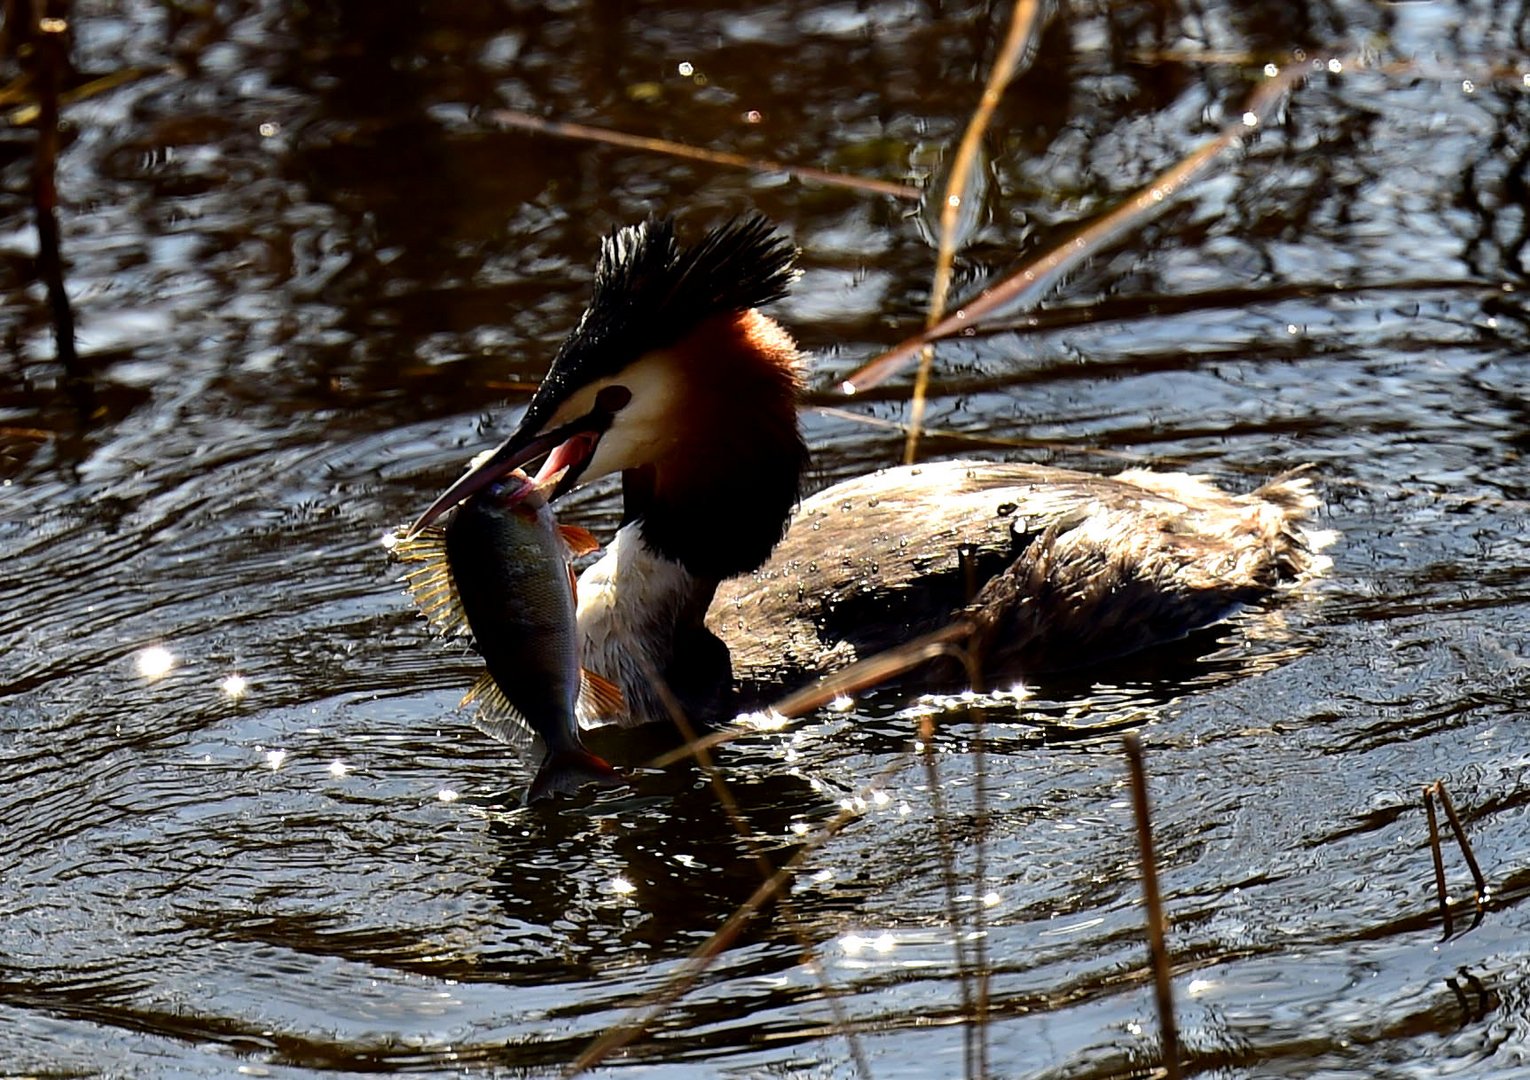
612	399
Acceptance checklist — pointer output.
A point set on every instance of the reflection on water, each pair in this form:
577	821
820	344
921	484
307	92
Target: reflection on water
244	823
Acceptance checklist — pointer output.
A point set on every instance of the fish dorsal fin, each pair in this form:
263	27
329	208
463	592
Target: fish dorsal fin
580	540
600	699
497	718
430	582
573	583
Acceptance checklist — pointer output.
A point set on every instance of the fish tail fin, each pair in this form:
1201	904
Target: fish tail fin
564	772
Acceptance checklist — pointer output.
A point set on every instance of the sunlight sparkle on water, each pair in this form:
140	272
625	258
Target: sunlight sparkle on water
447	795
155	662
854	944
769	720
338	768
234	686
622	887
274	759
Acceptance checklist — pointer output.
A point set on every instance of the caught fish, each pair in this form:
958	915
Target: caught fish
500	570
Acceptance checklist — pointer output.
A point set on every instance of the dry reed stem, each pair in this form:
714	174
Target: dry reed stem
1068	316
49	36
29	112
848	680
735	816
1431	792
1153	901
994	440
514	118
1462	842
947	876
1027	285
866	672
980	876
642	1016
1023	26
1441	893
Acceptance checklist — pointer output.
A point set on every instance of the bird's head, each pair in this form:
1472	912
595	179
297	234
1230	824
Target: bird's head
674	379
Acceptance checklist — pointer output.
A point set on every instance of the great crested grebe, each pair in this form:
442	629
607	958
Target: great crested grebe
674	379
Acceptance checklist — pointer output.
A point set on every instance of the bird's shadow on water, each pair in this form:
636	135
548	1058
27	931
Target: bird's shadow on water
643	872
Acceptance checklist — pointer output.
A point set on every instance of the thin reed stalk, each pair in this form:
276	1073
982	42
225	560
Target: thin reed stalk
1024	24
513	118
1434	791
735	816
860	675
1478	880
1124	456
1442	894
1153	900
1031	282
948	878
642	1016
980	879
49	62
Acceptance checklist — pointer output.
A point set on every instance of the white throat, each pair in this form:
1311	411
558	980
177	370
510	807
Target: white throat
631	603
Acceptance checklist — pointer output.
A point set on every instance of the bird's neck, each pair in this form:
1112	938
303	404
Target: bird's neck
718	499
637	611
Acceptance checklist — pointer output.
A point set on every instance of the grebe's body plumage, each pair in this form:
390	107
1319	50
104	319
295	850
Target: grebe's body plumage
1075	568
674	380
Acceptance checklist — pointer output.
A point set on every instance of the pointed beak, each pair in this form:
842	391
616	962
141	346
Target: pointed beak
568	449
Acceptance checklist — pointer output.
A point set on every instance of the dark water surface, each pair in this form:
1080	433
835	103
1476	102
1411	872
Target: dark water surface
308	271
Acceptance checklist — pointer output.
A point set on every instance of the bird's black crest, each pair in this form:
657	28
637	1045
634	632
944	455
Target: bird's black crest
650	292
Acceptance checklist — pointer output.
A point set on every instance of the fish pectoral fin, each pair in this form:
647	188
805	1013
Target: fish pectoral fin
497	718
579	540
599	697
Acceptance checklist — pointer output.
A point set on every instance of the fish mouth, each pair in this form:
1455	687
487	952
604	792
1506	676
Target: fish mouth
568	449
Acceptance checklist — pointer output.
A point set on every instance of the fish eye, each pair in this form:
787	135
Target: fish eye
612	399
